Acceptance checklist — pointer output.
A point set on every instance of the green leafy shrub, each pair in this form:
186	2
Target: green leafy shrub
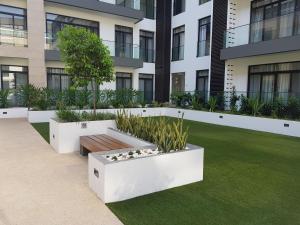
181	99
255	106
166	135
4	98
212	103
266	109
280	108
293	108
27	95
233	101
73	116
245	107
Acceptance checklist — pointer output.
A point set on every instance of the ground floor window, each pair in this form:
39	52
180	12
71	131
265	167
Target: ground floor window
270	81
178	82
123	81
146	86
57	79
13	77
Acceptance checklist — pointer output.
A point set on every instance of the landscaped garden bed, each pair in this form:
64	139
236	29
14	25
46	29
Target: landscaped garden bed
69	126
127	173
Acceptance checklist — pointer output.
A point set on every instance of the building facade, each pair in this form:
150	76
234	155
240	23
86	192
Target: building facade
262	48
28	39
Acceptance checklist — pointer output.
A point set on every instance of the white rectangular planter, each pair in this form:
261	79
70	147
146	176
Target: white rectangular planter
122	180
41	116
13	113
45	116
276	126
65	137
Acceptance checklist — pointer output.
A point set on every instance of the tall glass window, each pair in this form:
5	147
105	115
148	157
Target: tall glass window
147	46
13	25
178	82
202	81
123	81
124	41
148	7
204	37
178	7
57	79
178	43
13	77
55	23
274	19
146	86
269	81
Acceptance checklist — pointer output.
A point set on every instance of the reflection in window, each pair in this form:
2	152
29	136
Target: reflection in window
57	79
13	77
178	82
204	37
123	81
178	43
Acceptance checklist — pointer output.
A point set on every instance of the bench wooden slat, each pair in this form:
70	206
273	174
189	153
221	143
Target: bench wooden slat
97	143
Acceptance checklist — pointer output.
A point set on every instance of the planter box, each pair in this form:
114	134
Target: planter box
45	116
41	116
122	180
13	113
65	137
276	126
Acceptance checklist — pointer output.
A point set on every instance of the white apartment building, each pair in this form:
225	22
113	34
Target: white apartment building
262	48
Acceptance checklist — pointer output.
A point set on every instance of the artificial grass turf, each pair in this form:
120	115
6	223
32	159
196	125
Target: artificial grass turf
43	129
250	178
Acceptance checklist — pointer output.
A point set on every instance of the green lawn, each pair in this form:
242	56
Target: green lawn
250	178
43	129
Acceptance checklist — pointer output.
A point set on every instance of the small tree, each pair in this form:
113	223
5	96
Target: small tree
86	58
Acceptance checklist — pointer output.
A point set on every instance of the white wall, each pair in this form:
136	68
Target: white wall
191	63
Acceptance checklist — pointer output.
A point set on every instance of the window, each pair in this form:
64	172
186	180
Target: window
203	1
269	81
147	46
202	81
13	77
57	79
123	81
126	3
55	23
274	19
179	7
178	82
203	48
178	43
13	25
124	41
146	86
148	7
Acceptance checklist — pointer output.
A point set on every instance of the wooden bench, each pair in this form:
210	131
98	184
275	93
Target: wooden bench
99	143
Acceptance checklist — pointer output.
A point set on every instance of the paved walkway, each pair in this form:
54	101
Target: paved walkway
41	187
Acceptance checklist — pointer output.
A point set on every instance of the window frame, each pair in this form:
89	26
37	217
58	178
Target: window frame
178	47
13	71
207	25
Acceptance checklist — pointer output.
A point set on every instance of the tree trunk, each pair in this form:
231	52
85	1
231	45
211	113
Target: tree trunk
94	96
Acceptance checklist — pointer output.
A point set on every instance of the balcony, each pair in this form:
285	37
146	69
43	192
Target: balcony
279	34
13	37
124	55
148	10
103	7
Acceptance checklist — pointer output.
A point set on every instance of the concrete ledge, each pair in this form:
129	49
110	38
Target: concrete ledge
262	48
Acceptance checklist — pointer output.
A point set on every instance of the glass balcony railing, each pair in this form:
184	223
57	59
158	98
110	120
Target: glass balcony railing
270	29
148	9
13	37
116	49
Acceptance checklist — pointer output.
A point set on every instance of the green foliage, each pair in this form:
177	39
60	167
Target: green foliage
293	108
73	116
280	109
233	101
255	106
266	109
166	135
27	95
87	59
212	103
4	98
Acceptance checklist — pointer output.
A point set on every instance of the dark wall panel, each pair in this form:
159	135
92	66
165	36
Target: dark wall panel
163	49
218	28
